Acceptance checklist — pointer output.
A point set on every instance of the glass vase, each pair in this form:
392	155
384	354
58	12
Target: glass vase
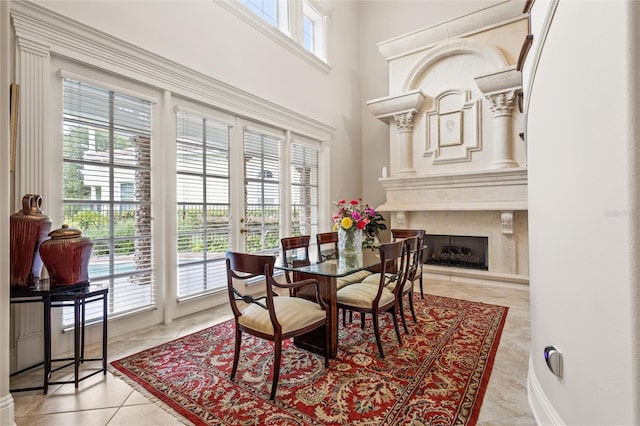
350	247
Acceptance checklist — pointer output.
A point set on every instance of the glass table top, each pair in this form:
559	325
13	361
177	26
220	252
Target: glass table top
336	268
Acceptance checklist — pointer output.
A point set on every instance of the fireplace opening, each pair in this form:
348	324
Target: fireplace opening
457	251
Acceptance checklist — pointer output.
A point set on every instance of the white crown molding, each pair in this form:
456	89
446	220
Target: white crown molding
65	37
464	26
274	34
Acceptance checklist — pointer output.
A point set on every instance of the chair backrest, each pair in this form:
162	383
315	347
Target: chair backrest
295	252
397	234
392	264
327	238
242	267
414	247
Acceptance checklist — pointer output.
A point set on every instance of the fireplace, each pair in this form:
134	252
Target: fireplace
457	168
457	251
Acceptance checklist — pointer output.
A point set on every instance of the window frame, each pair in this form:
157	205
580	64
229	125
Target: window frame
292	38
112	85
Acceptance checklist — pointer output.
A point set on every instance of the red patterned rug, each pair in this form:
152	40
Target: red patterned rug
437	377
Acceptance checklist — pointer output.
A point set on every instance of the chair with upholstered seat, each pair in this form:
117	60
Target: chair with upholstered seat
397	234
412	252
376	299
295	252
272	317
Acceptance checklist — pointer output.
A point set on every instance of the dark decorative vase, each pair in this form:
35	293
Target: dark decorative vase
28	228
66	255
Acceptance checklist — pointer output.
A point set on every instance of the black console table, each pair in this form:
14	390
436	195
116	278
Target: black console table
57	297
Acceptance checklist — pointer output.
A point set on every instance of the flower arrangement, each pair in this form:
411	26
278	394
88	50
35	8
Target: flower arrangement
358	215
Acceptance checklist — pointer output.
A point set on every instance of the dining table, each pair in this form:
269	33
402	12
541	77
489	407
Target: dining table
327	274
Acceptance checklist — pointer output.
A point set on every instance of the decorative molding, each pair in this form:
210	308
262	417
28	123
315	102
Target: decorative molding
404	121
501	80
470	126
474	23
506	220
68	38
487	190
503	103
456	47
32	149
388	107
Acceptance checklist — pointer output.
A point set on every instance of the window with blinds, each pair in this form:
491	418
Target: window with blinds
262	192
107	191
202	163
304	189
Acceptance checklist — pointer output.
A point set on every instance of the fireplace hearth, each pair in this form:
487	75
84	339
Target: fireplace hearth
457	251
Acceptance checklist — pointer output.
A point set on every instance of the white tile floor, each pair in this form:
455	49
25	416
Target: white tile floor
107	400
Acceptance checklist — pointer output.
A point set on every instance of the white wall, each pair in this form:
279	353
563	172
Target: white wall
583	214
208	38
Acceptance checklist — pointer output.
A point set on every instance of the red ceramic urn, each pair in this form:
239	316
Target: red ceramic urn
66	255
28	228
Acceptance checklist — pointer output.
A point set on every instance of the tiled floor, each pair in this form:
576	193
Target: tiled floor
110	401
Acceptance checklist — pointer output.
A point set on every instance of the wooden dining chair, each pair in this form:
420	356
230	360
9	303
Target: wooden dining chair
376	299
295	252
324	238
271	317
397	234
392	279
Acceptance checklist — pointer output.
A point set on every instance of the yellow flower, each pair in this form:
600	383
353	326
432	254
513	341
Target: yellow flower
346	222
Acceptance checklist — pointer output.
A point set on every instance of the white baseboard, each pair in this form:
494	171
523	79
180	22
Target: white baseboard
7	410
541	407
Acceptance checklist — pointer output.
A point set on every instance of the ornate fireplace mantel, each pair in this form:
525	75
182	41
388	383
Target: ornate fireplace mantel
457	165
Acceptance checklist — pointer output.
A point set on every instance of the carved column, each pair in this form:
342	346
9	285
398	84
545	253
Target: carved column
500	88
404	124
502	105
402	109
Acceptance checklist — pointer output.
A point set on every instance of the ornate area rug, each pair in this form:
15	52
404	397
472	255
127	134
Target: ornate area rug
437	377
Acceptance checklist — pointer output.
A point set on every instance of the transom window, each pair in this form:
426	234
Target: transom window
303	21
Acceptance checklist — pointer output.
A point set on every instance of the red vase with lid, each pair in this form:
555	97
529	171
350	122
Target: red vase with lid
28	228
66	255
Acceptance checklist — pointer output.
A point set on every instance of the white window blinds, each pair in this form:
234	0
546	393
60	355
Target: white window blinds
304	189
262	192
202	162
107	190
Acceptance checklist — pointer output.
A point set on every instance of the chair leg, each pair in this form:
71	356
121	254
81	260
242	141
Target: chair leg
276	367
413	312
394	315
401	309
376	331
362	318
236	353
421	290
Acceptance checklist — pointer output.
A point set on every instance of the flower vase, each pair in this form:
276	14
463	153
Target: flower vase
350	247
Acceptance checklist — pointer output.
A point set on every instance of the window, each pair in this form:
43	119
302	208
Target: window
266	9
107	190
313	30
262	192
304	189
303	23
202	162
